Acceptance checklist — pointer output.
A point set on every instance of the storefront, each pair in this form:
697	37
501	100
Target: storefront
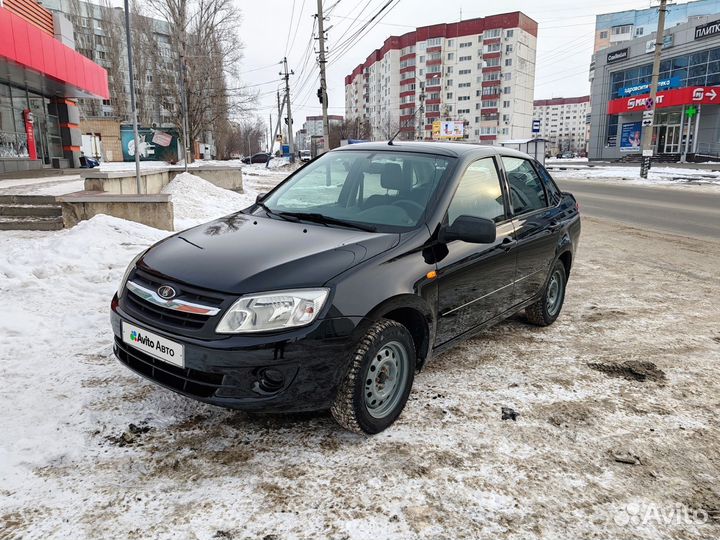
687	106
39	77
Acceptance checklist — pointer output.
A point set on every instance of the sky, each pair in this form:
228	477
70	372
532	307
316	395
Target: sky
272	29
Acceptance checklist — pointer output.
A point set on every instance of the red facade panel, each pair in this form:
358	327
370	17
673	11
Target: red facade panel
28	46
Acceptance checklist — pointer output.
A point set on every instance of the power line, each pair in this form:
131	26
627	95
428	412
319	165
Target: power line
297	27
292	16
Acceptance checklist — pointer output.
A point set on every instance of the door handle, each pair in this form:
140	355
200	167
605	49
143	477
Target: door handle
508	243
555	225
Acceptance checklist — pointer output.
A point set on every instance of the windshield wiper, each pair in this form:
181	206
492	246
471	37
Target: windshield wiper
326	220
282	215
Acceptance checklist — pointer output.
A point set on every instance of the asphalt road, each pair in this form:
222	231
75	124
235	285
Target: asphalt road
686	212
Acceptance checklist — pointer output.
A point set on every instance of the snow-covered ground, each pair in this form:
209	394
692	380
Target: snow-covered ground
89	450
657	175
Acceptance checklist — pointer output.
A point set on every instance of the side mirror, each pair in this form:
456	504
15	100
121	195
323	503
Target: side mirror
470	229
260	197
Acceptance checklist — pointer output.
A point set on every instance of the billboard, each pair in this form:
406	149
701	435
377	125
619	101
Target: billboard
630	137
154	144
451	129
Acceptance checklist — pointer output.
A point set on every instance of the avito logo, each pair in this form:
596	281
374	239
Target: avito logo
139	338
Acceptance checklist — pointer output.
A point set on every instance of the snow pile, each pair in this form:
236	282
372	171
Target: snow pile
196	200
56	290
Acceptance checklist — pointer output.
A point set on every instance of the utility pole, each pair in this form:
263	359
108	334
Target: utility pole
647	130
184	105
291	143
323	82
277	127
133	105
269	131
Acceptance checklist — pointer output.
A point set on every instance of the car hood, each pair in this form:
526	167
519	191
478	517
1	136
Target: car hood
243	253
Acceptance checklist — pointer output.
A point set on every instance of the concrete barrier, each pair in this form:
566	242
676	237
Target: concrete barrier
152	181
154	210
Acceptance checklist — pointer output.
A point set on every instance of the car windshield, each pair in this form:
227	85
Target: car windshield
383	189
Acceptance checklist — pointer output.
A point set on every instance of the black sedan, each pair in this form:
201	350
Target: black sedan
260	157
336	287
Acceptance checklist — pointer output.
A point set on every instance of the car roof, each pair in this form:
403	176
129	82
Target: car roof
451	149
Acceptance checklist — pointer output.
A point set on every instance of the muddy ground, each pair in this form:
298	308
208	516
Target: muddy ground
617	405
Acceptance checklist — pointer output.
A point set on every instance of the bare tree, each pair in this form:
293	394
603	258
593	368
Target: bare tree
203	34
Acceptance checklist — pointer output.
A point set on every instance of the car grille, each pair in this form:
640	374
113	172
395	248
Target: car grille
189	381
168	318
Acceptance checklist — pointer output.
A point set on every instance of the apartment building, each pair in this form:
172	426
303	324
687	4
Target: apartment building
99	35
564	122
480	72
621	26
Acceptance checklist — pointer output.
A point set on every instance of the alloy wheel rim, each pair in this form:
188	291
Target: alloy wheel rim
554	293
385	379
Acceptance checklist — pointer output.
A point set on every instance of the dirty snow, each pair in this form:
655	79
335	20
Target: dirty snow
89	450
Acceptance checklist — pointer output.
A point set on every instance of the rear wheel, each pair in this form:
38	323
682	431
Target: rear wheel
546	310
377	385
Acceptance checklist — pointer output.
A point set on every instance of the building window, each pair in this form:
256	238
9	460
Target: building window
506	104
466	44
509	33
465	58
463	98
464	85
465	71
508	76
451	56
495	47
449	95
463	111
449	70
506	90
624	29
508	49
494	33
492	62
508	62
449	82
603	34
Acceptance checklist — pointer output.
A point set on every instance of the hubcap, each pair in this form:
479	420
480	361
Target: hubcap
385	379
554	293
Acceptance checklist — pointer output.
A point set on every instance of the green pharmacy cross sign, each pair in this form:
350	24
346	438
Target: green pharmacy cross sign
691	111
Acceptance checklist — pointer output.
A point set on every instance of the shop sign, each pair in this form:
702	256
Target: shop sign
616	56
707	30
699	95
672	82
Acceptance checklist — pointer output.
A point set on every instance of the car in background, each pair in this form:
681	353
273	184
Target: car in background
260	157
332	290
305	156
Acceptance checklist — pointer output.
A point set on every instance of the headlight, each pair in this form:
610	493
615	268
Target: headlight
273	311
128	270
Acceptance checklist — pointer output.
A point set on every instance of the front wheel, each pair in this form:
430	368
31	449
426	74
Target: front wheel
546	310
377	385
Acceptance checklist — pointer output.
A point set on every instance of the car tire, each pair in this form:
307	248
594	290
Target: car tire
545	311
364	404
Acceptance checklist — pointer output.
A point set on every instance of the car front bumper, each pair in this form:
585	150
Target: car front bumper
297	370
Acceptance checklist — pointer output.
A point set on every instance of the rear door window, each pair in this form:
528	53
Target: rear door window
527	193
550	186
